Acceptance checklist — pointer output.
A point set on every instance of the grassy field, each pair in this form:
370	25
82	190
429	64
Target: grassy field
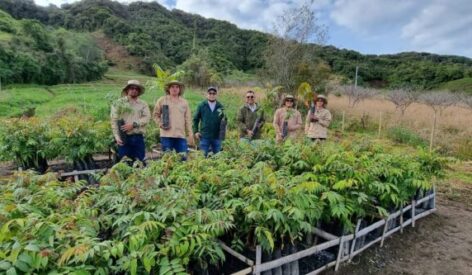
94	97
460	85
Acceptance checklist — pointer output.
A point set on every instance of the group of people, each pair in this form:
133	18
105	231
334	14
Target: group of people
178	129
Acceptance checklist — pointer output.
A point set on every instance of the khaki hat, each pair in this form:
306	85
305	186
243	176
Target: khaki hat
132	82
322	97
175	82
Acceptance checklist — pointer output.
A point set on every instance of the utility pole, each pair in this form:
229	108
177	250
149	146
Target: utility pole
355	81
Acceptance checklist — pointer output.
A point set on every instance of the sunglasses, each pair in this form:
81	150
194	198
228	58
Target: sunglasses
289	100
250	96
211	93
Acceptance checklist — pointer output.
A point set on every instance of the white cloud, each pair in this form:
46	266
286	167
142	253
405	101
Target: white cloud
442	27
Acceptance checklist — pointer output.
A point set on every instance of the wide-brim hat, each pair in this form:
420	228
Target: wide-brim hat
322	97
175	82
132	82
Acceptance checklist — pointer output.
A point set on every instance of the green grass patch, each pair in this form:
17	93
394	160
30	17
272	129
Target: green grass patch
405	136
460	85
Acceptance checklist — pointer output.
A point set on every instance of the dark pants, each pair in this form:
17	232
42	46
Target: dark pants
134	148
206	143
177	144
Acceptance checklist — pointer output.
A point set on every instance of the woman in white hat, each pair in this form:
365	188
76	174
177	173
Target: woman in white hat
287	120
316	125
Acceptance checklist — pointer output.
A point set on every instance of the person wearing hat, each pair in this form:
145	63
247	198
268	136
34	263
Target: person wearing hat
207	122
287	120
316	124
129	117
172	115
248	116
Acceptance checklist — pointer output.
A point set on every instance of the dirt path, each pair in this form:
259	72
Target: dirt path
439	244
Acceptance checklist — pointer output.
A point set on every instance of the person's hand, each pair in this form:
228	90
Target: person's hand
119	142
198	135
127	127
162	126
314	119
191	141
249	133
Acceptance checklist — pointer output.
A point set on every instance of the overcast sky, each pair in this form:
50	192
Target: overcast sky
367	26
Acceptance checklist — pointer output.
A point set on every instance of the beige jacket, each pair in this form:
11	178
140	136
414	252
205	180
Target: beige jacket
135	112
180	117
318	129
294	122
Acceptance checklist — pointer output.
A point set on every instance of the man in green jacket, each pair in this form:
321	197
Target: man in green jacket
207	123
247	117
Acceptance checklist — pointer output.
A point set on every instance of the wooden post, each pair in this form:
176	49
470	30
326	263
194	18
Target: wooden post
431	141
358	226
342	123
76	177
384	231
380	124
401	220
258	257
413	206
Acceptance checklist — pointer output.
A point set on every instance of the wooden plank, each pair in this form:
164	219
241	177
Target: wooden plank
425	213
258	259
401	220
239	256
427	198
296	256
323	268
76	173
244	271
370	228
366	246
413	206
384	231
323	234
340	253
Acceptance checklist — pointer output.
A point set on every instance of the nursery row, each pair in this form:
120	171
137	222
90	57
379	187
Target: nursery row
172	216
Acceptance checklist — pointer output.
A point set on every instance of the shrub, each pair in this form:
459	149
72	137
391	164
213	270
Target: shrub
405	136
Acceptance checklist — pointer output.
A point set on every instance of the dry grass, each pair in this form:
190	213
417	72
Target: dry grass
454	124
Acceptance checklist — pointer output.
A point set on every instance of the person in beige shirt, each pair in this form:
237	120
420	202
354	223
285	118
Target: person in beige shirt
287	120
129	117
316	125
172	115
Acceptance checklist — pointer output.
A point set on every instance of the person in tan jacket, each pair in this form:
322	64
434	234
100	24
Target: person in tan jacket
172	115
129	117
316	125
287	120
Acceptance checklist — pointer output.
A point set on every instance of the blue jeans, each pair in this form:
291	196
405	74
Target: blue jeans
206	143
134	148
177	144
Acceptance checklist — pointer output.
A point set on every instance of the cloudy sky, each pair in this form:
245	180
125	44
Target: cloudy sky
367	26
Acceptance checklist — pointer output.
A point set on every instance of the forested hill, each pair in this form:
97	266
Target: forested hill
158	35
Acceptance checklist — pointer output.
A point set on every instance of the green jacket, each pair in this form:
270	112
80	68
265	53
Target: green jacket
206	122
246	120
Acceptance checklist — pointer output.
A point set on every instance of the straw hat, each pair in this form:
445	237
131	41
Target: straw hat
323	98
175	82
132	82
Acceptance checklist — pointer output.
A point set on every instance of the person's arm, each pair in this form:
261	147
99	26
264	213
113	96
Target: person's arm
196	119
276	123
242	120
307	122
114	123
156	115
298	121
145	117
325	119
188	124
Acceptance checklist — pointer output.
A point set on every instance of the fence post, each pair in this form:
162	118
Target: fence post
342	123
431	141
258	257
380	123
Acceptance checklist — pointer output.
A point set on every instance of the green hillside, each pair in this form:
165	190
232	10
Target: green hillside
31	52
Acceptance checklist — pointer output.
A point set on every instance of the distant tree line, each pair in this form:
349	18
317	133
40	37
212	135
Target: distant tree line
170	38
